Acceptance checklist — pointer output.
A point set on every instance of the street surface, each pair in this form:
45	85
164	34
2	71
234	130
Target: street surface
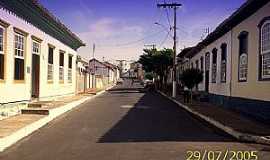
125	124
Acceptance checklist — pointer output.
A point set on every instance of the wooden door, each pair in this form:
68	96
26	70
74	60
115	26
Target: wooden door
207	68
35	75
207	81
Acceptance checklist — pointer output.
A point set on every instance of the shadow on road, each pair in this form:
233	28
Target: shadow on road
156	119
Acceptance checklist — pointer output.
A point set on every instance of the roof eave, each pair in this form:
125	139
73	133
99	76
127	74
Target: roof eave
30	12
247	9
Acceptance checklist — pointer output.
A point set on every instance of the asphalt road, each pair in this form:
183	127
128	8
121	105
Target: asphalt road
125	124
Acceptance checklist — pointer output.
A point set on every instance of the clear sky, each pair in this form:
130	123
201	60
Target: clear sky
120	28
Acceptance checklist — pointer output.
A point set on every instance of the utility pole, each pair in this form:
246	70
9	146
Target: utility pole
173	6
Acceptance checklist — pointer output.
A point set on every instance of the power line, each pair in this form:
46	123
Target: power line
173	6
136	41
151	35
164	40
157	16
167	15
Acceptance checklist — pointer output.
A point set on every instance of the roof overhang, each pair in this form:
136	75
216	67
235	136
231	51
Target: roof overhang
34	13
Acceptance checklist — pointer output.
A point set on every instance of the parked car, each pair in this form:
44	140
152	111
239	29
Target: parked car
149	85
120	81
147	82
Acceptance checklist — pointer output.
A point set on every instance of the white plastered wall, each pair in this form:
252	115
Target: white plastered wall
253	88
218	87
11	91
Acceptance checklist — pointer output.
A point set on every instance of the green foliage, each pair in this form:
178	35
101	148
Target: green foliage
149	76
191	77
156	61
146	60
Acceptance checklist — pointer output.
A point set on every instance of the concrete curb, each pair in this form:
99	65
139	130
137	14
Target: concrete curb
238	135
6	142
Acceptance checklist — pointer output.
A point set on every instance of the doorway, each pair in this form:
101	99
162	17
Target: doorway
207	68
207	81
35	75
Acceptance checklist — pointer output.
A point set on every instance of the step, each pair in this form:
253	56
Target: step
91	92
35	105
35	111
39	104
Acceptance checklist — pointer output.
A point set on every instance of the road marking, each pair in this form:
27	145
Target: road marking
135	106
127	106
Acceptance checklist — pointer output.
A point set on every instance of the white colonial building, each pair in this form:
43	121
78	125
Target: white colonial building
104	73
235	60
37	53
84	78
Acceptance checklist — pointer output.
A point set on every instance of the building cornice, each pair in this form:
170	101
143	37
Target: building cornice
36	39
4	24
33	12
20	31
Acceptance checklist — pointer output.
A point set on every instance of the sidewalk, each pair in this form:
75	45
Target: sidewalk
17	127
233	123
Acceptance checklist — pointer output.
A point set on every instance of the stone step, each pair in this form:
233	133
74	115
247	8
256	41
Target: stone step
35	105
39	104
35	111
91	92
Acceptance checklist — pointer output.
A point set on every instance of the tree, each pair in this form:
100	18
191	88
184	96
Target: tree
190	78
147	59
149	76
157	62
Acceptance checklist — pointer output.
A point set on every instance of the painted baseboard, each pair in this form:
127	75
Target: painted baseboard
259	110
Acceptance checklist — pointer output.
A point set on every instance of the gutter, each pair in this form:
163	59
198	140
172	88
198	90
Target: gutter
245	137
1	104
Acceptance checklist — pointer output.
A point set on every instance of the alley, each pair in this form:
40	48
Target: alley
125	124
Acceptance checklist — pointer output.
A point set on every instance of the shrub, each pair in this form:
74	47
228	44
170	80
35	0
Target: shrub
191	77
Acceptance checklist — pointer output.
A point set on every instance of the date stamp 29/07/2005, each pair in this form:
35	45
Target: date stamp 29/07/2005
222	155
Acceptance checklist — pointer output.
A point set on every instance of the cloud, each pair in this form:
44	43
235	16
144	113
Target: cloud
197	23
107	34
